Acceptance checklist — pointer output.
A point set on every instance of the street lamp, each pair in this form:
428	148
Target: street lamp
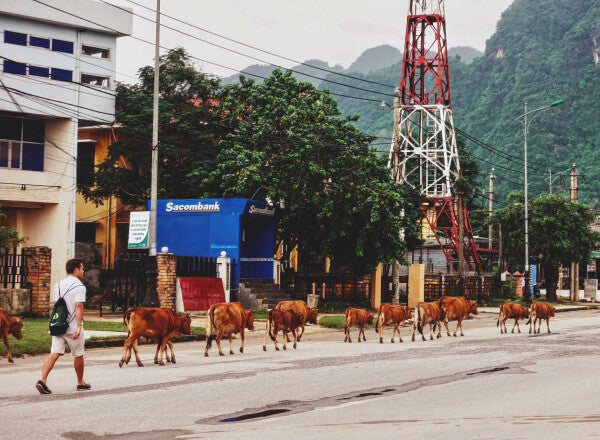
523	120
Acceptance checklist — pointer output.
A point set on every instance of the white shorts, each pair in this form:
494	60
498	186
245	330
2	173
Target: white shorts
77	346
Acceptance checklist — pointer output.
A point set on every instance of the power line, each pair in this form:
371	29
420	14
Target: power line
216	64
249	46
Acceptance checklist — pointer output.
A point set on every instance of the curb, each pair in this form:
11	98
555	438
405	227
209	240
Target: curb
118	342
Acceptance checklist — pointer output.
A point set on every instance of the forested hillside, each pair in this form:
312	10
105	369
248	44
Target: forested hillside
542	51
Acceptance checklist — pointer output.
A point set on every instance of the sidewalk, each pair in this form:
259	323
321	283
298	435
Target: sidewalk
557	309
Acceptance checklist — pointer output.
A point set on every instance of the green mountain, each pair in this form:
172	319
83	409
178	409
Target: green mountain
466	53
375	58
542	51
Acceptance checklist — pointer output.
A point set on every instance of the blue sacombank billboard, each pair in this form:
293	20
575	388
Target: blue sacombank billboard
204	227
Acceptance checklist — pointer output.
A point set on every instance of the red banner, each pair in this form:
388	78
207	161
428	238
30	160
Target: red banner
200	293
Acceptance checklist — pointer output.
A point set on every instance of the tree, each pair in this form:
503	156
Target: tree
340	200
558	229
189	125
9	235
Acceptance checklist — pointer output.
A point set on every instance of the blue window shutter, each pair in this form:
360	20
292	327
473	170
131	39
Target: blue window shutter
15	38
62	75
39	42
44	72
33	157
16	68
62	46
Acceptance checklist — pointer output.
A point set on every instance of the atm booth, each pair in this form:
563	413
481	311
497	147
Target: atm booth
204	227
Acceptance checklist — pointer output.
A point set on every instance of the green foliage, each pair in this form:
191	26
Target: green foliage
340	200
189	123
559	233
9	235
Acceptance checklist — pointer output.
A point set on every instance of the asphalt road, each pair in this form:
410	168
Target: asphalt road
481	386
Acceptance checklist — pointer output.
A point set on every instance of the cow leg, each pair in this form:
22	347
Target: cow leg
219	336
300	336
159	343
286	338
275	332
456	329
393	333
446	325
347	338
430	332
170	345
381	325
295	339
439	326
127	350
362	329
398	329
530	320
162	350
414	329
514	325
7	344
135	351
548	324
230	343
242	334
517	324
266	335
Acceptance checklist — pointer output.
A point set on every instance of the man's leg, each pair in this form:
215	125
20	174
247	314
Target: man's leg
79	365
48	365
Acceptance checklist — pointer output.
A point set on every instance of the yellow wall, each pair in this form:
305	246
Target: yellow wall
104	215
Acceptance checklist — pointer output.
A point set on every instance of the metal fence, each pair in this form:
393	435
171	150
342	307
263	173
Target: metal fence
472	287
13	269
196	267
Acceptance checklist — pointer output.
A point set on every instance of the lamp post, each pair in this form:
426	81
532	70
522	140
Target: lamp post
526	124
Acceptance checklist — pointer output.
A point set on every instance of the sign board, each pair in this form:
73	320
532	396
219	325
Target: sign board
139	222
591	267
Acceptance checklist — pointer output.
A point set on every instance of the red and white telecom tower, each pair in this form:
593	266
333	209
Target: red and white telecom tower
424	153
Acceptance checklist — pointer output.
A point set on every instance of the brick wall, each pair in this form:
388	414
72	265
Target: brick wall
166	279
39	271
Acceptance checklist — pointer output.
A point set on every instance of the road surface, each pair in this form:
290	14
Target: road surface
481	386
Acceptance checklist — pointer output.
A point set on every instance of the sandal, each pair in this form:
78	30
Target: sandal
85	386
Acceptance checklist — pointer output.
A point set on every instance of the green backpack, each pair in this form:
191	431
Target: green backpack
59	318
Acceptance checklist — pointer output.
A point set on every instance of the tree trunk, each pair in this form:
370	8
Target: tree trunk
551	281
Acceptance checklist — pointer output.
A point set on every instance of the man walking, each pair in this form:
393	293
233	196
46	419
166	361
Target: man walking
73	291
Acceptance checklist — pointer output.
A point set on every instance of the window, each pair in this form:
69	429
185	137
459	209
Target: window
85	232
62	75
94	80
44	72
16	68
85	162
33	157
96	52
15	38
39	42
62	46
10	154
22	143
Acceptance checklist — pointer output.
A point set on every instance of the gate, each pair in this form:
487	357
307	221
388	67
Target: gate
13	269
132	282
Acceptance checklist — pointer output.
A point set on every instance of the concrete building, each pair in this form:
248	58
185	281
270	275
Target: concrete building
57	60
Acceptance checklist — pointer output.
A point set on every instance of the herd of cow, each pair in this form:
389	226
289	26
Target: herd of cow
288	317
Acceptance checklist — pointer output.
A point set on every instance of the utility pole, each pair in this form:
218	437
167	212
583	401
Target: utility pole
461	229
491	210
574	285
500	262
154	172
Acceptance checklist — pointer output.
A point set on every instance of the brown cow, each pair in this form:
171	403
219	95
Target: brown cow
540	311
395	314
12	325
432	315
300	308
284	320
511	310
358	317
152	323
456	308
226	319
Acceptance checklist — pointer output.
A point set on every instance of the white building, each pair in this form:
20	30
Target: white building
57	71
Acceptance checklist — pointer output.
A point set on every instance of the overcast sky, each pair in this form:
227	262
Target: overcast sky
336	31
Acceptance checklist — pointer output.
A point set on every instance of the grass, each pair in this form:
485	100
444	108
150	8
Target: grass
337	322
340	305
37	339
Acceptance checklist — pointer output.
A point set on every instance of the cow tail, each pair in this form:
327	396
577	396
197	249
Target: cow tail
419	321
210	323
270	325
346	322
378	318
127	318
499	315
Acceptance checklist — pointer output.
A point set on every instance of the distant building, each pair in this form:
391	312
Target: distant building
57	71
